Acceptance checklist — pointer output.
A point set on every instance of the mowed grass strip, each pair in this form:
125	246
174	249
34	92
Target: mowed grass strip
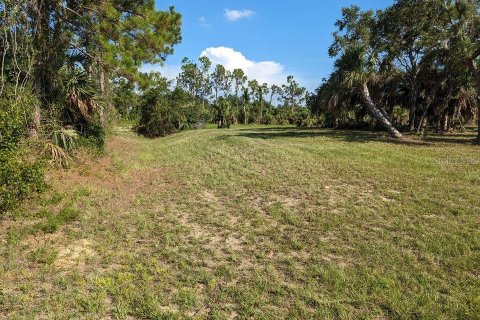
252	222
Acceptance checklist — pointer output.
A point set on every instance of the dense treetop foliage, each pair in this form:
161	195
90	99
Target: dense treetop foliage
411	66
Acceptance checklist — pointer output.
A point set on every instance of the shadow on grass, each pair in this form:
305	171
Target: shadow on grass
453	139
351	136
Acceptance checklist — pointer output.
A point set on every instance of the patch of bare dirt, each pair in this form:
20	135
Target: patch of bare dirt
121	187
337	260
76	254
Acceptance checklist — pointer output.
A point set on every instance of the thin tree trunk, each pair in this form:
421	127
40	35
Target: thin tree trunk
476	72
413	109
244	113
101	80
421	122
261	109
377	114
35	128
40	41
445	122
101	77
478	105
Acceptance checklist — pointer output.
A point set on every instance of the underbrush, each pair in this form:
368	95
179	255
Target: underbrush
24	162
21	172
20	177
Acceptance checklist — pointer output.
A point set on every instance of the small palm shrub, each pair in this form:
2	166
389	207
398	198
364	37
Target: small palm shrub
65	139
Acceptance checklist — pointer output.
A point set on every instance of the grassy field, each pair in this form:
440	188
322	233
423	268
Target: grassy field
251	222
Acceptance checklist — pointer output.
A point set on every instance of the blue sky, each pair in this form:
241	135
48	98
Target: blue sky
270	39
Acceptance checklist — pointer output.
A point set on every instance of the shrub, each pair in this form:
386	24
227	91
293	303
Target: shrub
13	111
20	175
282	115
224	115
166	113
302	118
159	119
94	136
19	178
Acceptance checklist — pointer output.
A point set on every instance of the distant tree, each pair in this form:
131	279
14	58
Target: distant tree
404	41
245	102
221	81
263	91
293	95
275	91
462	37
239	80
223	109
125	99
205	81
253	86
190	77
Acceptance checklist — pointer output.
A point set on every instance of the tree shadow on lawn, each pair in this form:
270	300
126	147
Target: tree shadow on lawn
452	139
351	136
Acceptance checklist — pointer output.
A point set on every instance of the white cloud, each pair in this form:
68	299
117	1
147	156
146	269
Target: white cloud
270	72
203	22
234	15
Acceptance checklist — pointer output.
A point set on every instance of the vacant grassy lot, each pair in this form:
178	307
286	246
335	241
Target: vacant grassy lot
252	222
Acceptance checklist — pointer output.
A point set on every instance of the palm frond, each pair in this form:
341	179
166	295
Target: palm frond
56	154
81	92
65	139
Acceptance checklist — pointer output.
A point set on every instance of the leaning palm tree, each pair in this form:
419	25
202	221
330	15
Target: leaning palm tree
354	72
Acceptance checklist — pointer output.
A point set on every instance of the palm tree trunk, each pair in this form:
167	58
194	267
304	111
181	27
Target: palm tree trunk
261	110
377	114
476	72
478	105
244	113
413	109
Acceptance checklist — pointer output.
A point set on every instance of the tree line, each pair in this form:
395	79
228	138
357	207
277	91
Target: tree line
410	67
204	94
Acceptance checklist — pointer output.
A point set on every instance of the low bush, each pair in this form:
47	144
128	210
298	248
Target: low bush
93	135
13	112
20	177
164	113
303	118
159	119
20	173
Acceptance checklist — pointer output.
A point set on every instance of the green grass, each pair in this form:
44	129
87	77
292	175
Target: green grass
252	222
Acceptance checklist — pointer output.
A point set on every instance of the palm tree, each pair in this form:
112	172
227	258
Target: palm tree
353	71
80	91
